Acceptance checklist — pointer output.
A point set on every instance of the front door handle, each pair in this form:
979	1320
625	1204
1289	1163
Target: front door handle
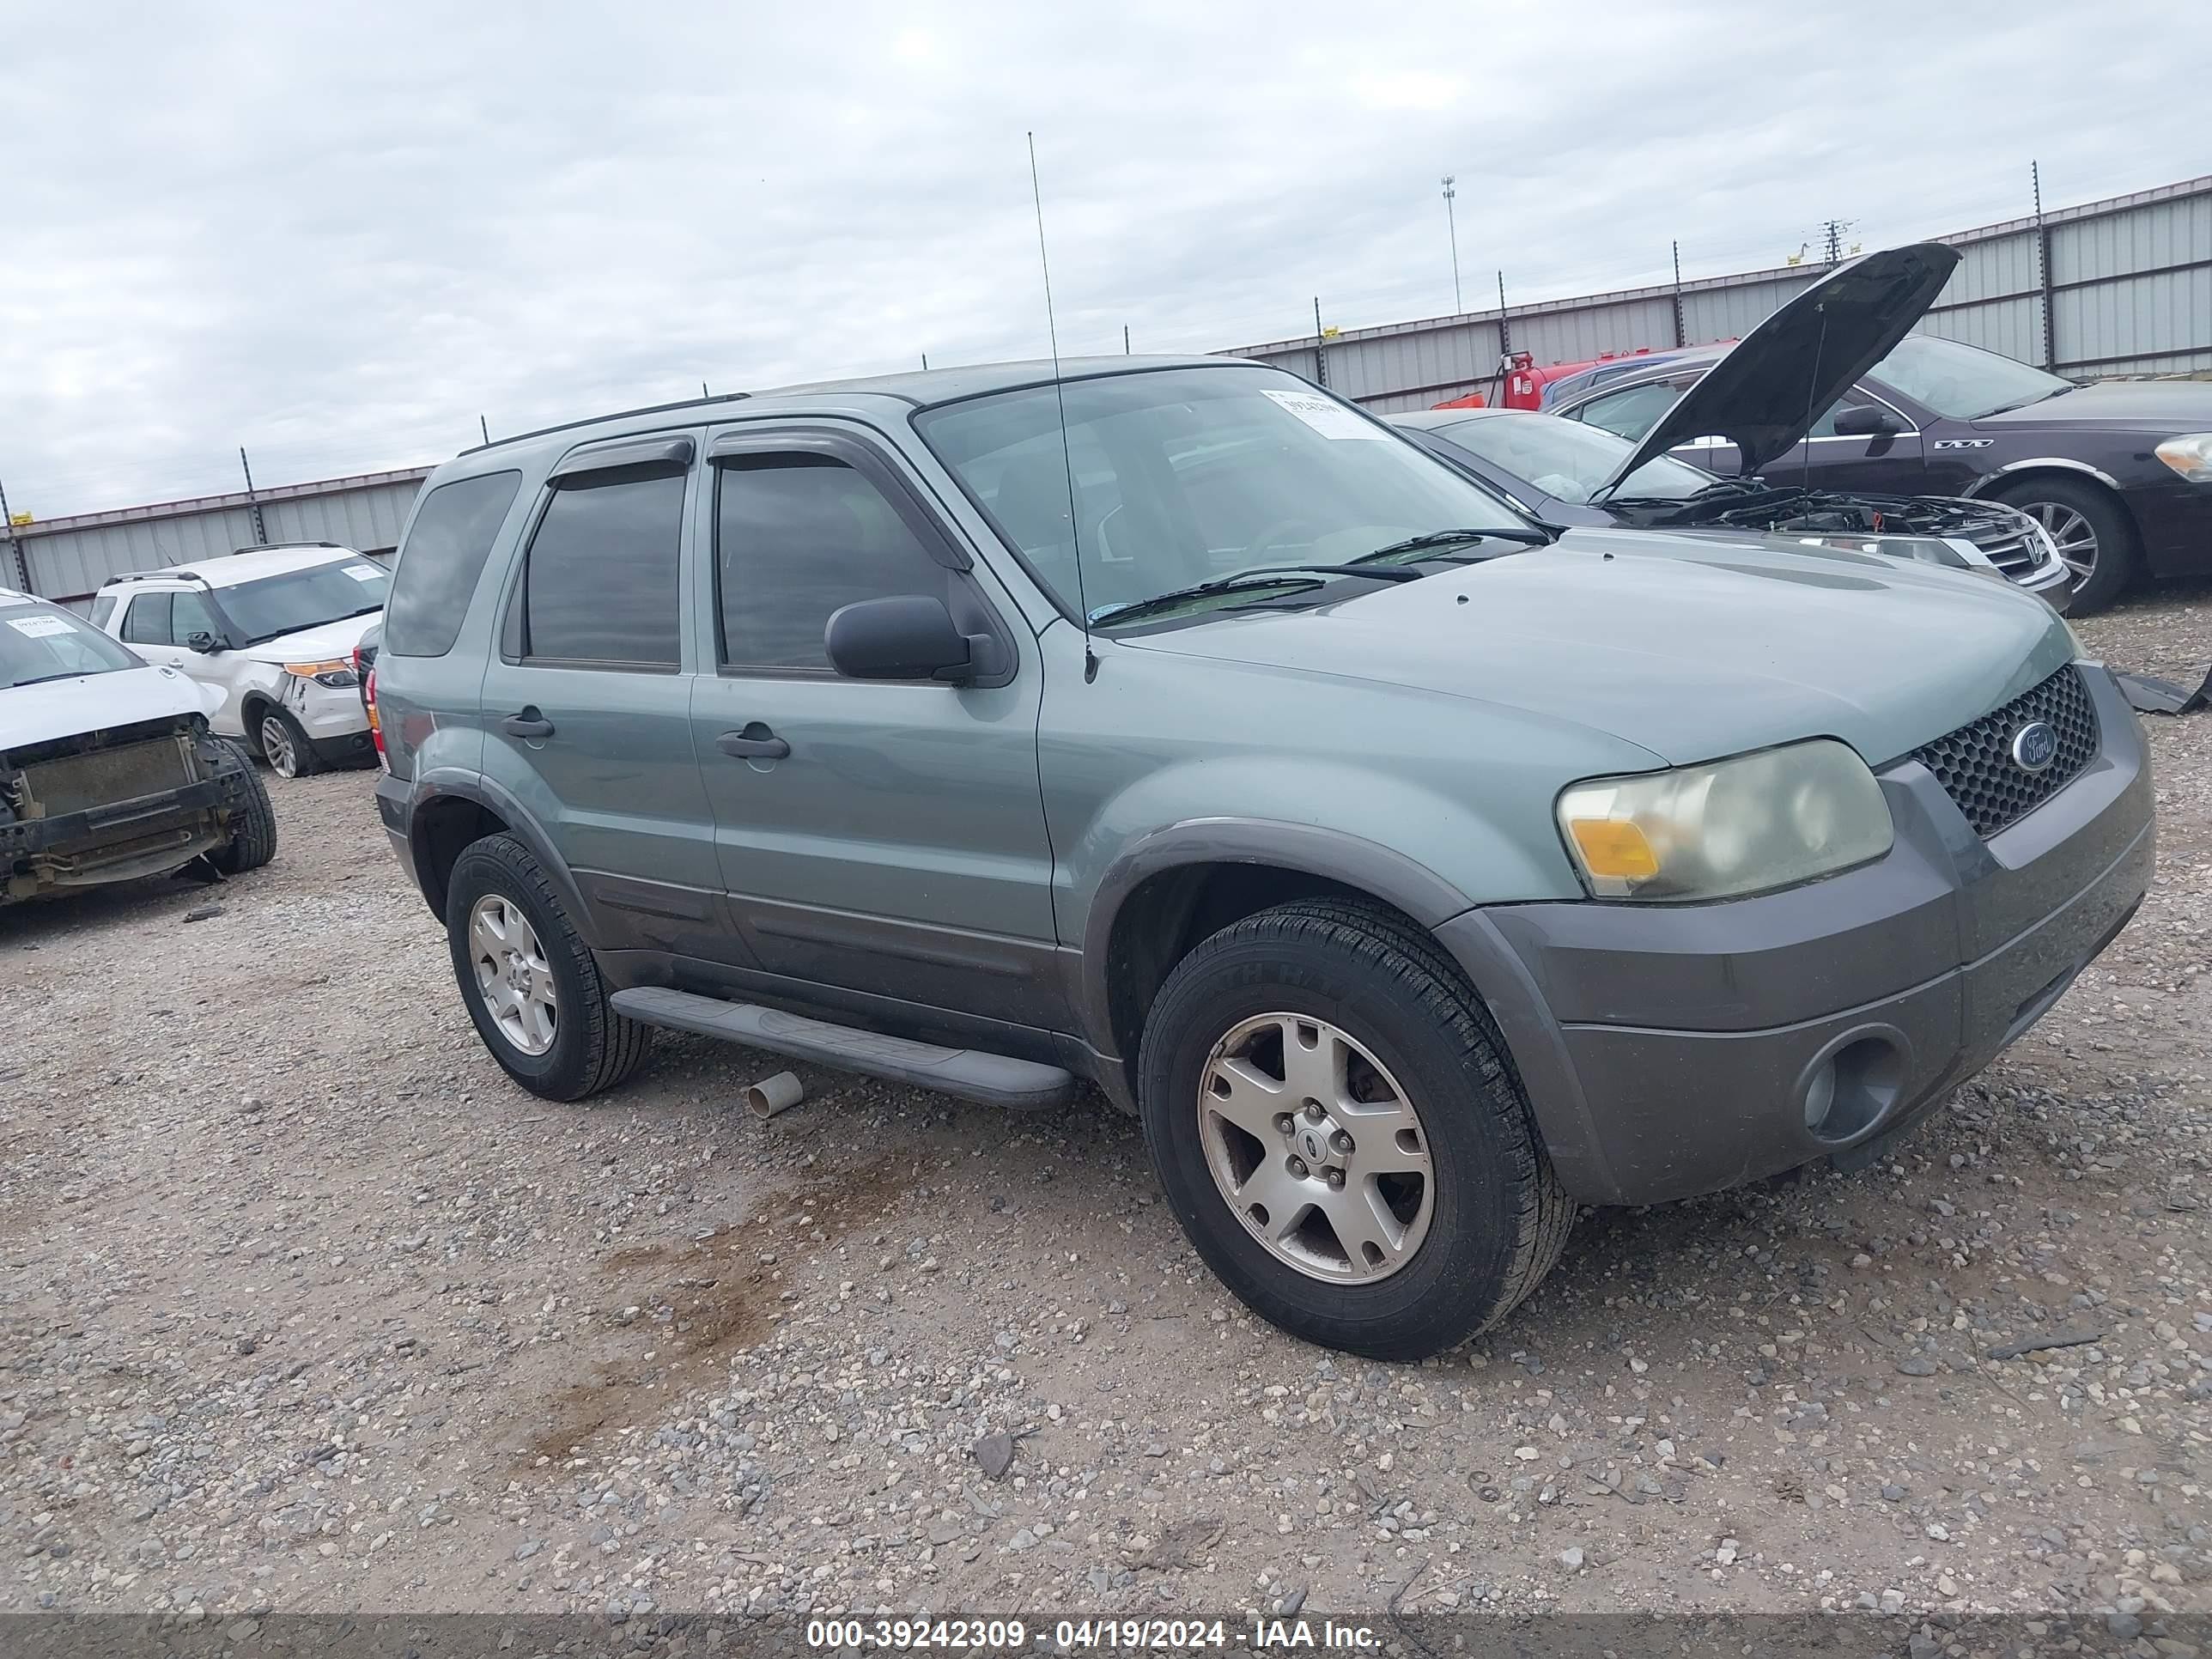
527	724
756	742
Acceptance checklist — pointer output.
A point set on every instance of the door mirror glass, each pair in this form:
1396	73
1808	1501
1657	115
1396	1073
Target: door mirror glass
1866	420
203	642
911	637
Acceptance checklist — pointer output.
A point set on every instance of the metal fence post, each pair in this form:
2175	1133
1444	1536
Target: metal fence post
1321	347
23	560
252	501
2043	272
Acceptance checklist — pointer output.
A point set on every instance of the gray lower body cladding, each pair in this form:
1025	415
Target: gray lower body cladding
1673	1050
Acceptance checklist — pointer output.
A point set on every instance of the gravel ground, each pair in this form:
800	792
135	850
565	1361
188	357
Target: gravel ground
305	1308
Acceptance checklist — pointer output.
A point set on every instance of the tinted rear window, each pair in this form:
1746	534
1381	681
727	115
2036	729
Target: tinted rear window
599	582
447	547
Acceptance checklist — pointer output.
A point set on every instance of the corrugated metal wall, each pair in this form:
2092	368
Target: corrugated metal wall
2125	288
69	558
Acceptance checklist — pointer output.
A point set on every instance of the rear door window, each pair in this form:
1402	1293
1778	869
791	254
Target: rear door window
447	547
601	579
1632	413
147	621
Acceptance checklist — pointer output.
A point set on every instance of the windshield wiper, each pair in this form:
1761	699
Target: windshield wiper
1264	575
1450	539
2023	403
66	674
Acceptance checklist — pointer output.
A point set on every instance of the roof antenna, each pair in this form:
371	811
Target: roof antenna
1060	397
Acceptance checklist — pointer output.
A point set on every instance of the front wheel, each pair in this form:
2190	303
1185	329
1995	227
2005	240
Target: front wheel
1330	1111
253	828
285	746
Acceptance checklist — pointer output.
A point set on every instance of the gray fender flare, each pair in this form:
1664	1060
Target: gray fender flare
1390	876
450	783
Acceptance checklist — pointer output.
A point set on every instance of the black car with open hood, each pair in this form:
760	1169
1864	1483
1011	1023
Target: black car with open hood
1834	395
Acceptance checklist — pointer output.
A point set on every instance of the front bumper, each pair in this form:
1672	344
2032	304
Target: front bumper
123	840
1673	1050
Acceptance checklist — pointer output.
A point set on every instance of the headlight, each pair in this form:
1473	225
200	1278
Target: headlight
2190	455
335	675
1747	825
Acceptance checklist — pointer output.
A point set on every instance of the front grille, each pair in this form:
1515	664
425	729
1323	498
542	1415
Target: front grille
2011	546
1975	766
102	777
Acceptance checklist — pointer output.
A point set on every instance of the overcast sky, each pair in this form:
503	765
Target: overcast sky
335	234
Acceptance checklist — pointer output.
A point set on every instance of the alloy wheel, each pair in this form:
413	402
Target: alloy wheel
1316	1149
513	975
279	748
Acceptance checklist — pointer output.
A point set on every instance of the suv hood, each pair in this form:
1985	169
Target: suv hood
1691	648
1764	393
91	702
323	642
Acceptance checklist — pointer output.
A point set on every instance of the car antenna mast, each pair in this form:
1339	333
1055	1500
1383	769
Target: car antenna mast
1060	399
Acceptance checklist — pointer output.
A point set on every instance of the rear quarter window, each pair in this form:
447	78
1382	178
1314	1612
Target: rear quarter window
442	557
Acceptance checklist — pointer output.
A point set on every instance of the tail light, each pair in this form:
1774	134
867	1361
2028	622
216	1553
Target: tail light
375	721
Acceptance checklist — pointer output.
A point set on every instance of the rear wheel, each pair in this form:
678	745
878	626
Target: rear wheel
285	746
528	979
2090	530
1331	1113
253	829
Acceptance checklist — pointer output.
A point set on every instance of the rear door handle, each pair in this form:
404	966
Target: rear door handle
527	724
756	742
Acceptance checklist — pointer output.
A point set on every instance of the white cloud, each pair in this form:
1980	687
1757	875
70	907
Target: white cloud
338	236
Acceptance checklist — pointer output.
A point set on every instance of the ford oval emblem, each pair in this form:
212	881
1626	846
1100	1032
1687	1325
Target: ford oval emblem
2034	746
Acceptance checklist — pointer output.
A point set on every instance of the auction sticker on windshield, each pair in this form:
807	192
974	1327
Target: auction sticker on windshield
361	573
38	628
1329	418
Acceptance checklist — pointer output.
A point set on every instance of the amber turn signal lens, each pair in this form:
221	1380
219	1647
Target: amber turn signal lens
1613	848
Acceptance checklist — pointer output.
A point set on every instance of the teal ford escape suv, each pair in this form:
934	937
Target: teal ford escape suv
1412	877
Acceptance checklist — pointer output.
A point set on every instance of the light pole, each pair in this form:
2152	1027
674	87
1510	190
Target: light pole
1452	221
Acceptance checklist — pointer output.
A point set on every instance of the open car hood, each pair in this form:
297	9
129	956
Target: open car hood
1770	387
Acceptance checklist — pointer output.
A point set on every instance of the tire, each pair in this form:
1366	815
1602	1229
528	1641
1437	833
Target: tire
254	833
1495	1218
285	746
592	1048
2070	511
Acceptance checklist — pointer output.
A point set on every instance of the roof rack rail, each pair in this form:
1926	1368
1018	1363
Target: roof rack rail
618	415
170	574
278	547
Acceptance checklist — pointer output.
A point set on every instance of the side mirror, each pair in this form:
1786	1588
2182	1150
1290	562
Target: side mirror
203	641
1866	420
911	637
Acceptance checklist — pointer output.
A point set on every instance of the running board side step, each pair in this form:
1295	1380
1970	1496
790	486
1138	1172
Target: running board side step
970	1073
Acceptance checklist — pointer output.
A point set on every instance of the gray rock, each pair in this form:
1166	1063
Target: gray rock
1918	1365
995	1452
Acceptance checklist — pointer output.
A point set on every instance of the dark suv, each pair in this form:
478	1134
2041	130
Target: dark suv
1414	875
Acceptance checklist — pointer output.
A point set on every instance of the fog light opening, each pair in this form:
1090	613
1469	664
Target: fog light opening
1854	1088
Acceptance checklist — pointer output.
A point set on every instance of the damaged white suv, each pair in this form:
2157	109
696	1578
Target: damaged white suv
273	630
108	768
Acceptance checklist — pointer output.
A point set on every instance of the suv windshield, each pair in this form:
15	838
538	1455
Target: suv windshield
1568	460
302	599
1186	475
44	642
1962	382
